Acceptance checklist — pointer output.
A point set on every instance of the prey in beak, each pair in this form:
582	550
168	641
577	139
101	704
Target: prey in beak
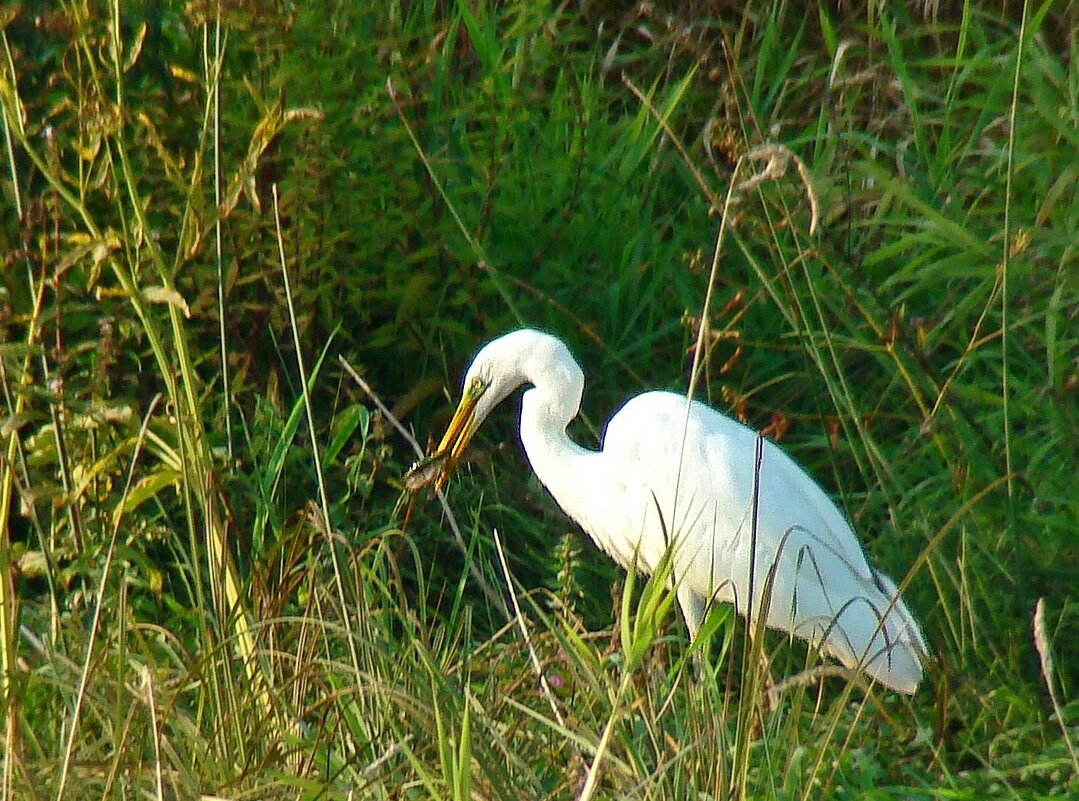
436	467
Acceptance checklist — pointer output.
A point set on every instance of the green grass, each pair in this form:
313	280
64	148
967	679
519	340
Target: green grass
213	582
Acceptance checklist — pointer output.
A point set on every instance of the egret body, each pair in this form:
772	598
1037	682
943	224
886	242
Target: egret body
680	475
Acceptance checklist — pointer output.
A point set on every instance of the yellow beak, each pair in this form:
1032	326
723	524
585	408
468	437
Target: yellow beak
459	433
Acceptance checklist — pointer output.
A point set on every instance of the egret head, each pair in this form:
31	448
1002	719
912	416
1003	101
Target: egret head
520	357
497	370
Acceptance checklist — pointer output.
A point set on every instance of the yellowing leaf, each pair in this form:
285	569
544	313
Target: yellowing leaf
147	487
164	294
135	48
181	74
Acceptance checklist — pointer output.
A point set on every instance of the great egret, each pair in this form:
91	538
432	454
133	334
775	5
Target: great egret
678	474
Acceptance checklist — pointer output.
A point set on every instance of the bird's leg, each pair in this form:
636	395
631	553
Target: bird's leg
693	609
768	697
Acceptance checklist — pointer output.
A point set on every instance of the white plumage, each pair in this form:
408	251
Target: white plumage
682	475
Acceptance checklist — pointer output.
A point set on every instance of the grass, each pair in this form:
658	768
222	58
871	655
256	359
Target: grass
213	582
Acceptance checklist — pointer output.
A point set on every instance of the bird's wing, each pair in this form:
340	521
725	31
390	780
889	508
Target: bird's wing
695	482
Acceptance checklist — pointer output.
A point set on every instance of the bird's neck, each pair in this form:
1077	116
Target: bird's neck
560	463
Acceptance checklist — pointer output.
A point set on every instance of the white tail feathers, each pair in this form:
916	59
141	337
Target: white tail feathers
874	633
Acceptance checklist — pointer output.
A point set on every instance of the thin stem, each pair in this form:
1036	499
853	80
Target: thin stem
324	501
1006	260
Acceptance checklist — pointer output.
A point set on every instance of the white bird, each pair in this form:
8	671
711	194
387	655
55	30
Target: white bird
678	474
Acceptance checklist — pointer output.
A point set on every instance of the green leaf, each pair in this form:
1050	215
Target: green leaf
147	487
344	426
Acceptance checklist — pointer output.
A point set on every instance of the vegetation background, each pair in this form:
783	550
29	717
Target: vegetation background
211	581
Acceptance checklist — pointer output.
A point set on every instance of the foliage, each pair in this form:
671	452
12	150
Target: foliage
212	580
